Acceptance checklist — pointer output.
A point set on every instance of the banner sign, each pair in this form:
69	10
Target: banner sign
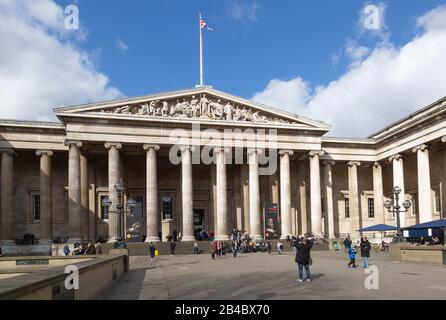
272	221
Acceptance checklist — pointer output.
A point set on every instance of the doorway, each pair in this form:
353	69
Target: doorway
198	220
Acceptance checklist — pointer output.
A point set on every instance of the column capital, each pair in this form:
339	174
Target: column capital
286	151
117	145
254	150
221	149
184	148
11	152
39	153
421	147
319	153
354	164
147	147
376	164
395	157
328	163
77	143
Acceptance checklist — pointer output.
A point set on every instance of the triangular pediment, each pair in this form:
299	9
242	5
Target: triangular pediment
199	104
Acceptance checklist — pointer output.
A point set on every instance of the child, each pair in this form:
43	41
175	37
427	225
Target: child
352	256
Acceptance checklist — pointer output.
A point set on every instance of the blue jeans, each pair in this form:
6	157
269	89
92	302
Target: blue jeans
366	262
300	268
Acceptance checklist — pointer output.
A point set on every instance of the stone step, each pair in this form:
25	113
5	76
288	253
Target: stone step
142	248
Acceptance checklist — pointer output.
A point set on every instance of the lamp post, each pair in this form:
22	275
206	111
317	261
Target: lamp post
397	210
120	209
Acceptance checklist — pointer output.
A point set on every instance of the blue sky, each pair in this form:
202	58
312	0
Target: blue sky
312	58
279	40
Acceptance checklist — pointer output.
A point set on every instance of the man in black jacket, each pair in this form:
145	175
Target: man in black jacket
365	251
303	259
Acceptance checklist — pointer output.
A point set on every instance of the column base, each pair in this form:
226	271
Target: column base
188	239
152	239
283	237
222	238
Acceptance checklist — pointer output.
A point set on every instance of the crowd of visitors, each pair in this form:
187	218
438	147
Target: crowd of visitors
81	249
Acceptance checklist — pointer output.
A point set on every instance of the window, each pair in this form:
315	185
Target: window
371	207
35	203
104	210
437	200
347	208
167	208
413	207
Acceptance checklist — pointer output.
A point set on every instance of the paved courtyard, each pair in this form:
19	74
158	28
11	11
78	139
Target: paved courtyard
263	276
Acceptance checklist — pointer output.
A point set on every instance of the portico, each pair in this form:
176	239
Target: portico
201	158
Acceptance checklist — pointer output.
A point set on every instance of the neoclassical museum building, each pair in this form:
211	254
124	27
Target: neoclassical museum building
55	176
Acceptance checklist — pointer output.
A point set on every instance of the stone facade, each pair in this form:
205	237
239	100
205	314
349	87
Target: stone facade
55	175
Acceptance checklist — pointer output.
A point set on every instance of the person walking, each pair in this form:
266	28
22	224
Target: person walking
352	256
303	259
196	250
219	247
279	247
172	247
365	251
234	248
269	246
152	251
347	243
213	249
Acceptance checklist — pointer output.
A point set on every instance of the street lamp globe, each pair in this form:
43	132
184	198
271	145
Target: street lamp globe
388	204
106	202
406	204
397	190
119	187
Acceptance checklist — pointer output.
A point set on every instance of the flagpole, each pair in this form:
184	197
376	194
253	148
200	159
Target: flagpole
201	52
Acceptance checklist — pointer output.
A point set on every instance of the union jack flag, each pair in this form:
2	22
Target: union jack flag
203	25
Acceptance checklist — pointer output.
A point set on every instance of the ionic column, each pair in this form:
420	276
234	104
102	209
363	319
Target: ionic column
222	196
315	193
244	186
254	194
85	197
353	195
74	191
151	193
187	195
114	177
328	196
285	192
424	183
398	180
46	196
378	193
7	196
301	180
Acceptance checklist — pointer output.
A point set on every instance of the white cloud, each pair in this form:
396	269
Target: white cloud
390	83
244	10
356	53
40	65
122	46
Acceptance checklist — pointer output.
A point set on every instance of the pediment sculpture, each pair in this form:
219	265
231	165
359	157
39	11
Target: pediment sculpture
195	107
